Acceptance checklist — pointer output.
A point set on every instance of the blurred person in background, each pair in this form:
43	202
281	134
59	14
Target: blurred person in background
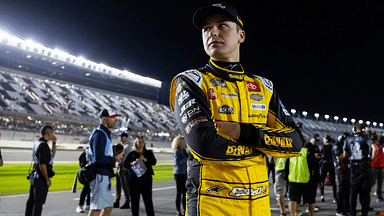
86	192
271	167
102	155
139	173
304	178
120	174
180	157
314	150
42	171
327	167
1	159
280	185
343	176
356	147
377	167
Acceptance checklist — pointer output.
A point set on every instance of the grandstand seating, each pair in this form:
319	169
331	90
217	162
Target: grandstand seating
20	93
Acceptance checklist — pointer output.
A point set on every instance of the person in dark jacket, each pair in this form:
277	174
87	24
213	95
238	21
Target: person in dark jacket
139	173
327	166
180	157
86	192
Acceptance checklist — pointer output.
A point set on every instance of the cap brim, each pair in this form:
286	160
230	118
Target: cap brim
201	14
115	115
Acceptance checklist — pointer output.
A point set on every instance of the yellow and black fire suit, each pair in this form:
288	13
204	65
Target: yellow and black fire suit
228	177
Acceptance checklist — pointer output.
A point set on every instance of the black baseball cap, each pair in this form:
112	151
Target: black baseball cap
218	8
108	113
124	135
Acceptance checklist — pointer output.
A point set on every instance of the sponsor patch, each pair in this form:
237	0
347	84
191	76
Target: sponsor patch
259	106
267	83
256	97
211	94
187	105
230	95
225	109
239	150
236	76
278	141
184	118
215	189
193	111
258	116
194	75
182	96
241	191
219	82
180	87
252	86
194	122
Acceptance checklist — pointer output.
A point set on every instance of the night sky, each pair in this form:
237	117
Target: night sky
322	56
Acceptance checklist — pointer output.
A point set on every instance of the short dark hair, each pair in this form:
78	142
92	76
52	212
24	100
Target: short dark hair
46	130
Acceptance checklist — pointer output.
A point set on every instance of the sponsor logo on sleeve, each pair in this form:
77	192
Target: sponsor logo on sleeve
259	106
211	94
256	97
267	83
193	111
252	86
182	96
180	87
230	95
219	82
239	150
278	141
187	105
225	109
284	110
194	75
195	122
184	118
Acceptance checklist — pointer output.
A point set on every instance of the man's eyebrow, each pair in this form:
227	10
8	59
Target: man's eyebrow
218	21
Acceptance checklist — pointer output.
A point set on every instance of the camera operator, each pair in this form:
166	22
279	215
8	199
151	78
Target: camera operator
42	171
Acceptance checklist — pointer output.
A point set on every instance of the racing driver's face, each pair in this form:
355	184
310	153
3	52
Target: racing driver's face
222	38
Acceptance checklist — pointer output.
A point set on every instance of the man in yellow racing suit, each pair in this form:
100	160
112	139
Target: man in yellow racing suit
230	120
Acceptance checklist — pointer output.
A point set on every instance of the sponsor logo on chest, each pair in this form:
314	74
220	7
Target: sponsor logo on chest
211	94
225	109
259	106
230	95
252	86
219	82
256	97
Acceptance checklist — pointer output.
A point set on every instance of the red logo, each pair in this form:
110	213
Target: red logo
252	87
211	94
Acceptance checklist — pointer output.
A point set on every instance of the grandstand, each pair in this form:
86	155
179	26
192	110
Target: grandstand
38	84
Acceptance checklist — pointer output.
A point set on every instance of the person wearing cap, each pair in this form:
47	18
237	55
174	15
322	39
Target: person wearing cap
356	147
120	173
102	155
230	119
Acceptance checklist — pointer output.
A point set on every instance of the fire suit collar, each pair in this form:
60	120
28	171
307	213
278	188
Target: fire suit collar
232	71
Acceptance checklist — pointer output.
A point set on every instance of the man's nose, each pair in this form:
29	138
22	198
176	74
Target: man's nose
214	32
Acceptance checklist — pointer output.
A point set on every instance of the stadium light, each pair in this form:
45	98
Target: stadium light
353	121
293	111
345	120
374	124
361	121
381	125
326	116
368	123
336	118
317	116
305	113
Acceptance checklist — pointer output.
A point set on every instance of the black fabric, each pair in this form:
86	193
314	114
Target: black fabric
87	173
121	183
326	151
361	183
37	196
343	177
181	190
85	193
327	167
43	155
307	190
143	186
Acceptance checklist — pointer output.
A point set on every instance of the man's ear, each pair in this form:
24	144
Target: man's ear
242	36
